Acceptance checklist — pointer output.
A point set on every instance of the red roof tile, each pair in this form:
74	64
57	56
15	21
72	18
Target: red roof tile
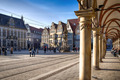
73	23
32	29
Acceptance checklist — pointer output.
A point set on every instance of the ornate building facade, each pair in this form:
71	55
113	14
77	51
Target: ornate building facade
53	35
12	32
45	37
60	29
33	36
73	33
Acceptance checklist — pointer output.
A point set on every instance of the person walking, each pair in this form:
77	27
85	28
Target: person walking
50	49
30	51
45	49
3	50
11	50
54	50
37	50
0	50
119	51
115	51
33	52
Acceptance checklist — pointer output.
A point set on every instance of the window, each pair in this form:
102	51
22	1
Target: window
8	32
11	22
68	26
4	33
0	33
74	24
24	35
19	34
59	35
11	32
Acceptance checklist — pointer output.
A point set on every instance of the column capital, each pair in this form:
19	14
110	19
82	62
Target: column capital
85	13
96	32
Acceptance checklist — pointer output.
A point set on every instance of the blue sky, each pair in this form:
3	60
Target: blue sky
43	11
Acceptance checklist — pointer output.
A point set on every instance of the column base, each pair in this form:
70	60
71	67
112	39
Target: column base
101	61
103	57
96	68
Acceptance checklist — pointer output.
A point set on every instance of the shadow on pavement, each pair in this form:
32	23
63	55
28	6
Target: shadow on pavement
110	69
110	62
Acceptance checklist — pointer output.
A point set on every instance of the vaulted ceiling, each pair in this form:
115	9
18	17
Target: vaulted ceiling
109	18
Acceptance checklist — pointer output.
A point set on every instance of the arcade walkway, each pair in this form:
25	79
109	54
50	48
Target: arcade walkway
110	70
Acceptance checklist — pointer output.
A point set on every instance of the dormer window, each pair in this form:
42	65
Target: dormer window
11	22
74	24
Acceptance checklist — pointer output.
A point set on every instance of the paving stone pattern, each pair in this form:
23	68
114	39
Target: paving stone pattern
23	67
110	70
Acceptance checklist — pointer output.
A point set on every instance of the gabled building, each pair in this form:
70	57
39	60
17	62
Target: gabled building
53	35
12	32
60	30
73	33
34	37
45	38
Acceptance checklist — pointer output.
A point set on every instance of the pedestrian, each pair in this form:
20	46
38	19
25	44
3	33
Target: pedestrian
3	50
30	50
115	51
0	50
76	49
54	50
50	49
11	51
37	50
119	51
33	52
45	49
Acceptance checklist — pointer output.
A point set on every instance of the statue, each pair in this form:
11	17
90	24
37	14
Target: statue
84	4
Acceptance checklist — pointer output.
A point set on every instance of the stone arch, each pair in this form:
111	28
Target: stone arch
109	25
102	15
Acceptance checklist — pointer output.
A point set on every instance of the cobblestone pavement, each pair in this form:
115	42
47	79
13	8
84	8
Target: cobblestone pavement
23	67
110	70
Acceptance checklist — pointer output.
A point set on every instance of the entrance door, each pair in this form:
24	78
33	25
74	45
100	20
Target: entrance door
11	43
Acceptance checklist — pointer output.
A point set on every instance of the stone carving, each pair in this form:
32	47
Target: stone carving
84	4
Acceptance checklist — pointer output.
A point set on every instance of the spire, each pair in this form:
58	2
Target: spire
22	17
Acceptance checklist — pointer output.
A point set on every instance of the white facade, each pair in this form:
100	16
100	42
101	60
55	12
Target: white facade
33	37
70	36
45	38
13	37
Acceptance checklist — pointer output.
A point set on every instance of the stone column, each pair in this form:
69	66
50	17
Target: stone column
85	49
85	44
96	48
118	43
104	48
100	48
